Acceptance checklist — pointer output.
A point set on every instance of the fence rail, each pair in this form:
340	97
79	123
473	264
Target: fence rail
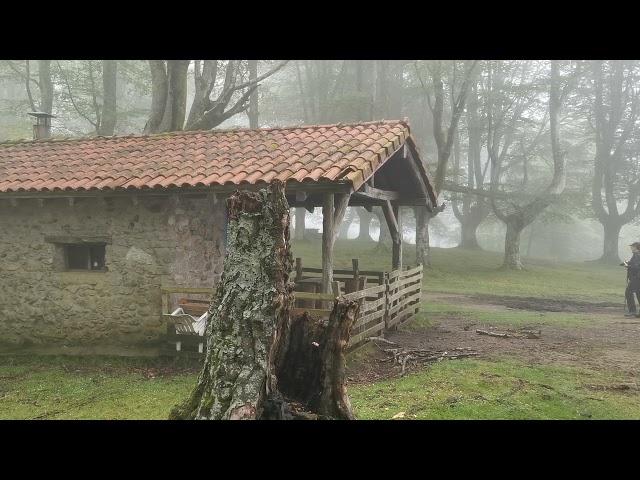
382	307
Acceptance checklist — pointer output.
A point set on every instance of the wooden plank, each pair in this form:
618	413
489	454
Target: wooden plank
368	292
405	304
367	318
314	296
368	192
328	228
367	333
368	306
299	268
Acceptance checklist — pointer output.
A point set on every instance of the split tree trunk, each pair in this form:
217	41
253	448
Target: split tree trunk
260	363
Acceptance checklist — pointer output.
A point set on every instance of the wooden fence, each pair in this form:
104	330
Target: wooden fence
394	300
388	305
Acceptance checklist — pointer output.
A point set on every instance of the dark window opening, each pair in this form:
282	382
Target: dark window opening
85	257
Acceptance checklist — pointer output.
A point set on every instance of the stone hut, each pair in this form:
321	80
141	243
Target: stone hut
92	228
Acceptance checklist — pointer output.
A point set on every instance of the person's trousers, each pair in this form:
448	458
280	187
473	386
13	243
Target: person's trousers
632	289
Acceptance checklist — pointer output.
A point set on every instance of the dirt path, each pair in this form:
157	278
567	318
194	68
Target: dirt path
611	342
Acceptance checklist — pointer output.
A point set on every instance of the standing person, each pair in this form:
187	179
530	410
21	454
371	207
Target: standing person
633	280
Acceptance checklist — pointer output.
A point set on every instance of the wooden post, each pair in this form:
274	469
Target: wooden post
298	269
328	228
387	304
397	242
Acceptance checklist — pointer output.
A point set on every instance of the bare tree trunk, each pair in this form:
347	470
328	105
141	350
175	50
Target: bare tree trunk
512	259
159	93
253	100
300	226
385	236
365	224
260	364
423	248
610	253
468	237
176	106
46	86
109	79
344	227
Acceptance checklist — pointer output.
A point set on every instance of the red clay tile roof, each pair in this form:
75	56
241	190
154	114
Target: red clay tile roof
348	153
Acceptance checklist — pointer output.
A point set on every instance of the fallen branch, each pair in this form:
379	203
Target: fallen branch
381	339
491	334
519	334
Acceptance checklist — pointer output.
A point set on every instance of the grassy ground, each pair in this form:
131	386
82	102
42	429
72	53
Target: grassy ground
463	271
508	389
501	387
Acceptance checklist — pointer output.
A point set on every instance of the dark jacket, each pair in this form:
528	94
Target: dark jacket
633	268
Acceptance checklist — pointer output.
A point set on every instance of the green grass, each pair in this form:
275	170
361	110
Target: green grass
507	389
129	388
456	270
89	388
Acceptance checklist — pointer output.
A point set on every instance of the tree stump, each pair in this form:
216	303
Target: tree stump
260	363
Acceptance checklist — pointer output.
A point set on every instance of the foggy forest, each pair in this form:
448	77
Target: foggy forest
516	266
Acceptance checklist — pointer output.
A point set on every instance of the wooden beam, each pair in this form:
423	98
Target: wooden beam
392	221
392	216
328	228
411	162
396	255
341	201
372	193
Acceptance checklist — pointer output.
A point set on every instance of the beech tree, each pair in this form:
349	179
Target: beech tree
616	179
229	80
458	80
515	93
91	89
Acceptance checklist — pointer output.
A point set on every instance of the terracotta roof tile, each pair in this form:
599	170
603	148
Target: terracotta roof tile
204	158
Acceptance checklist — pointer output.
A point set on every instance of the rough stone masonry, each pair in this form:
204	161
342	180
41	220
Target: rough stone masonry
150	242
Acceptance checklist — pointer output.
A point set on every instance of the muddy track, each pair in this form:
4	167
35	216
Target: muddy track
610	343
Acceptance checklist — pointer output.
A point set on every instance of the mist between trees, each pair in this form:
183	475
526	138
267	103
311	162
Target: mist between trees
529	157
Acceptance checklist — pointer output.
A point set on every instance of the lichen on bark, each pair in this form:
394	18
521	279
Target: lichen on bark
260	363
251	301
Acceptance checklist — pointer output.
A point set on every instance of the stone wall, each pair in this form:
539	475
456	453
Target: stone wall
152	242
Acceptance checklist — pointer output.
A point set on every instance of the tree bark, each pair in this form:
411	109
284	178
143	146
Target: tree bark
46	86
159	93
512	259
344	227
423	248
253	99
109	85
175	109
468	236
611	253
260	363
365	224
